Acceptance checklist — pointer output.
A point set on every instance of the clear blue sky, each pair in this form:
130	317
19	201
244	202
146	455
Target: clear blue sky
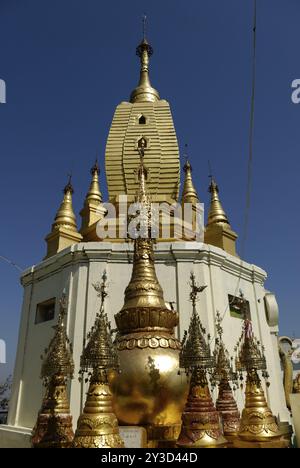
67	64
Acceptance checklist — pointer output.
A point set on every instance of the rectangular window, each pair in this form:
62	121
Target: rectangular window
45	311
236	309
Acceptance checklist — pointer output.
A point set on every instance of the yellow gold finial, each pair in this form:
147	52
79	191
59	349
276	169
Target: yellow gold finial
189	193
94	194
216	213
92	210
65	216
144	91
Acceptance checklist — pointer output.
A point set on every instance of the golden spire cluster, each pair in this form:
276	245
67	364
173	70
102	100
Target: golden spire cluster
53	428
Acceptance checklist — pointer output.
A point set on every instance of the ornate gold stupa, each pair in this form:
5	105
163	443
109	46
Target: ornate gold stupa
53	428
201	422
97	426
259	428
223	374
149	392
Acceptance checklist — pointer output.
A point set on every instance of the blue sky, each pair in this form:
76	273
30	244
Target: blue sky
68	63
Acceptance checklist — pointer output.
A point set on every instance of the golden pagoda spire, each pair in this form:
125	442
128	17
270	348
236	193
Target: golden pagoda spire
53	428
149	392
92	210
216	213
144	91
64	229
259	428
218	230
201	423
65	216
94	195
97	426
189	193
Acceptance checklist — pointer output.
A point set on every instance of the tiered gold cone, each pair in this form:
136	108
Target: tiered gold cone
227	407
97	426
258	427
201	424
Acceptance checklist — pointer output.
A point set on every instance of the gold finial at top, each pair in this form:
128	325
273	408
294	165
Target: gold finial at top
144	91
189	193
216	213
94	194
58	356
65	216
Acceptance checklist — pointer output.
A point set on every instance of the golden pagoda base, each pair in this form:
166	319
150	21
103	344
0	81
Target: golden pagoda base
97	426
163	436
54	428
201	422
259	428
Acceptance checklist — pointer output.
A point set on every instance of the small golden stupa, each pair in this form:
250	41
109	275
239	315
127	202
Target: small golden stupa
223	375
201	422
97	426
149	392
53	428
259	428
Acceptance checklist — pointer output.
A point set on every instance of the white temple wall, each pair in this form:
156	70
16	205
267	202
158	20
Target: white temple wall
78	267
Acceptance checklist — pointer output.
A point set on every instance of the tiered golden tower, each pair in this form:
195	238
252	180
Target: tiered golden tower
149	392
97	427
259	427
201	422
224	375
53	428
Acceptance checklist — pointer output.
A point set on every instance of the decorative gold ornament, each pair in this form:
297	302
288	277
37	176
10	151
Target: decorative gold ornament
223	374
97	426
53	428
149	392
201	422
258	427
